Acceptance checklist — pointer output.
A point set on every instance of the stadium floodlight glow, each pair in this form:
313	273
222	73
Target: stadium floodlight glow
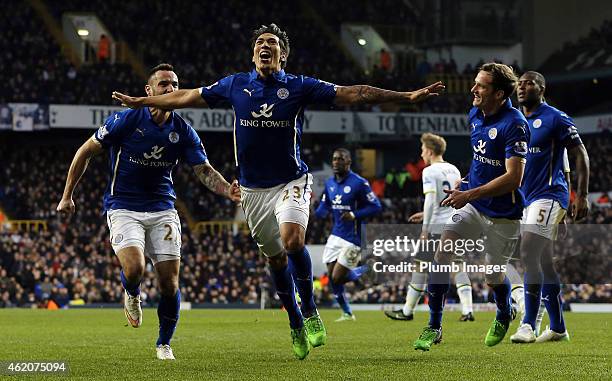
362	41
83	32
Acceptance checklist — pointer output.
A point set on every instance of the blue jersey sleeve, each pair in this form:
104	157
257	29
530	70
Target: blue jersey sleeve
324	206
516	138
193	151
115	127
317	91
218	91
566	131
369	203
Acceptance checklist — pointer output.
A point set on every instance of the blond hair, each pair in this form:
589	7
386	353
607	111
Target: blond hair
436	143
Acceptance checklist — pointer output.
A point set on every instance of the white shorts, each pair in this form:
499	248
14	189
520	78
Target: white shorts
267	208
501	235
157	234
342	251
543	217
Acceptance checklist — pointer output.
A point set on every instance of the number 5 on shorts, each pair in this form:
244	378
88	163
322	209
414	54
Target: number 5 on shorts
541	215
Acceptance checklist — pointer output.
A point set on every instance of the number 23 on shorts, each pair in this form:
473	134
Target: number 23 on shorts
295	193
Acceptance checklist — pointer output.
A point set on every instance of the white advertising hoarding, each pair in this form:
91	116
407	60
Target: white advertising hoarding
92	117
338	122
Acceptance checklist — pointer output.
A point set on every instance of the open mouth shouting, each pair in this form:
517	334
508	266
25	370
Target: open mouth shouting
265	56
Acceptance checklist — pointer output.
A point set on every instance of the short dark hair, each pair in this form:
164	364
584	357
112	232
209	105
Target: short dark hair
344	151
538	78
504	78
278	32
160	67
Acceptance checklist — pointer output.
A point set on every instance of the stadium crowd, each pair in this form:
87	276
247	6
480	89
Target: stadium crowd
35	69
73	262
57	80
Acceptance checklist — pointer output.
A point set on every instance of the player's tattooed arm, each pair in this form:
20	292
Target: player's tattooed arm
77	168
174	100
363	94
214	181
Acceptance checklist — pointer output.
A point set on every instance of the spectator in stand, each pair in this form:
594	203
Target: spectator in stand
451	67
392	188
378	187
423	68
385	60
468	69
103	49
603	200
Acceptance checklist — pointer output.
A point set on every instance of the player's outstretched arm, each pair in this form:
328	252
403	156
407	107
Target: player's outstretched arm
363	94
214	181
174	100
580	206
78	166
506	183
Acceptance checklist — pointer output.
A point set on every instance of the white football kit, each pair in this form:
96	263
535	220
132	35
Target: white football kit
436	178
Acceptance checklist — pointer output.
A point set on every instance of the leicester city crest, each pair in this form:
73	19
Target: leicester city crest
173	137
537	123
493	133
282	93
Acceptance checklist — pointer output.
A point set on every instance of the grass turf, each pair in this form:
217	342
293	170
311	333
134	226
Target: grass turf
241	344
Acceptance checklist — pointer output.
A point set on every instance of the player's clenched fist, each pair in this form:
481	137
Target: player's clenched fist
234	191
66	207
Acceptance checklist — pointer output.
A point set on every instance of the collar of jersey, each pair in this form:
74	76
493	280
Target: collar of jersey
537	111
492	118
150	117
344	179
279	76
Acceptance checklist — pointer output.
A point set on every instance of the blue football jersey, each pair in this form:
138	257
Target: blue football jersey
142	155
552	131
268	122
494	139
352	194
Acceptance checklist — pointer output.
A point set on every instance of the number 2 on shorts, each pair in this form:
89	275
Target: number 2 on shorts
168	236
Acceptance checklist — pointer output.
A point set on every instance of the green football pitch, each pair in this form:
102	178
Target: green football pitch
254	344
